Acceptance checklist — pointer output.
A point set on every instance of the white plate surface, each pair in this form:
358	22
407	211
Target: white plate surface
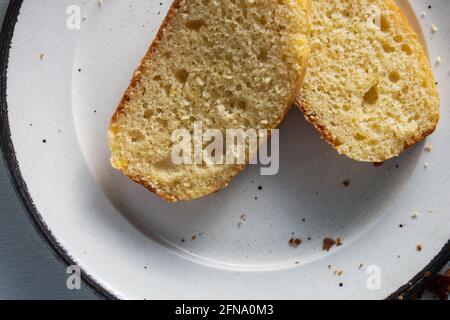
63	86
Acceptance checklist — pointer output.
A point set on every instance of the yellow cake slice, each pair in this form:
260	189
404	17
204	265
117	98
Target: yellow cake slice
228	64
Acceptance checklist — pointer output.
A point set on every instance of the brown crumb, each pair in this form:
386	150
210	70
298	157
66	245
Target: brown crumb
428	148
339	242
439	286
328	243
419	247
361	266
418	295
378	164
294	243
346	183
41	56
194	237
297	262
338	273
242	220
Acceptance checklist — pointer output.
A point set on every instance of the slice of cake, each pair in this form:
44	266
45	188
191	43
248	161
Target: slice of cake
369	88
227	64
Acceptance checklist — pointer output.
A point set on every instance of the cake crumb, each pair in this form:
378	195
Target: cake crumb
419	247
294	243
328	243
378	164
428	148
439	286
434	28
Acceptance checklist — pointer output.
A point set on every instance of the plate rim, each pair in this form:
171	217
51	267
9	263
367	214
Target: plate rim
407	291
12	165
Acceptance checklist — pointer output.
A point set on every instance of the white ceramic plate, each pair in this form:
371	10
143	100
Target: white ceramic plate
61	86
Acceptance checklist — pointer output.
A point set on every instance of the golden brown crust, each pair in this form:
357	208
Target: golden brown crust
171	198
312	118
126	97
403	22
137	74
153	189
332	141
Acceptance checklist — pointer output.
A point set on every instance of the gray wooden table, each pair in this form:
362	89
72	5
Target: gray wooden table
28	269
